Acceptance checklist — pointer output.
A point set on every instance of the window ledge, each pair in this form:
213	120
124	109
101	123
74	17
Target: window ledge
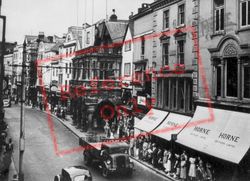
242	29
180	26
218	33
165	30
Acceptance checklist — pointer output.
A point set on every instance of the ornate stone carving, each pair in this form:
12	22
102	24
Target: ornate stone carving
230	50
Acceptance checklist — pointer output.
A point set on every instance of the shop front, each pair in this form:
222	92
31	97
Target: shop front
223	136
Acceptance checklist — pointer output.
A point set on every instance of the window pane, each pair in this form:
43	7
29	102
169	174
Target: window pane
165	98
217	16
232	77
243	14
166	19
219	3
159	91
181	14
222	19
247	82
181	94
165	54
248	13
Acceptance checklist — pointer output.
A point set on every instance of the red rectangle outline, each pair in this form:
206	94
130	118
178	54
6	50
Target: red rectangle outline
191	29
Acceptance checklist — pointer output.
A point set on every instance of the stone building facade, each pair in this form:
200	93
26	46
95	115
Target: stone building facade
224	36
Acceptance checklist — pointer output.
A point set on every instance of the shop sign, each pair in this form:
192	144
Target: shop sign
141	100
53	88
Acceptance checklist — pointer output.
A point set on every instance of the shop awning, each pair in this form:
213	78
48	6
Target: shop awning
151	120
173	124
227	136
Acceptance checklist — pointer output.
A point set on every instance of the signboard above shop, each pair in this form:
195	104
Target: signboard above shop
141	100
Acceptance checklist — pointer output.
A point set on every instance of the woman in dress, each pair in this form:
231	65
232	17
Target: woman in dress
201	173
169	163
183	171
177	165
165	160
192	168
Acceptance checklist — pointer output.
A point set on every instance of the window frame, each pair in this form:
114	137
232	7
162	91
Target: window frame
127	68
179	23
164	19
215	9
226	79
179	53
164	55
143	46
247	14
127	45
88	37
244	65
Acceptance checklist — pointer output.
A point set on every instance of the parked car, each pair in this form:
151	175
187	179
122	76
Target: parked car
74	173
6	101
111	156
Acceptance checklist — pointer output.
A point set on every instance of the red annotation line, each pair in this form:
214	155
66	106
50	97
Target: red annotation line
96	49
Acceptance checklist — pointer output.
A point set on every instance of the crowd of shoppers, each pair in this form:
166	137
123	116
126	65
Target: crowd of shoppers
182	166
6	149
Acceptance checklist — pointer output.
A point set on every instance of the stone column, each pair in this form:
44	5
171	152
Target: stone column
239	92
223	81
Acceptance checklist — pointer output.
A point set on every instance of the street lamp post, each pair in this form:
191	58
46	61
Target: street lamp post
22	128
3	19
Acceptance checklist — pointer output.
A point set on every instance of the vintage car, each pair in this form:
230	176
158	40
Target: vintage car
74	173
6	101
111	156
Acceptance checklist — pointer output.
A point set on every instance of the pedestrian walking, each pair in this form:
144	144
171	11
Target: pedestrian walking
177	165
9	146
192	169
183	171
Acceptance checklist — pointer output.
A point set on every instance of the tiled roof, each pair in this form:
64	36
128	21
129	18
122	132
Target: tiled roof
55	48
116	30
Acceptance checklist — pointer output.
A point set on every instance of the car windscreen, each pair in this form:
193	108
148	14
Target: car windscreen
80	178
118	150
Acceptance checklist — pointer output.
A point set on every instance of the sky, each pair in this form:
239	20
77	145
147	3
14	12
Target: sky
53	17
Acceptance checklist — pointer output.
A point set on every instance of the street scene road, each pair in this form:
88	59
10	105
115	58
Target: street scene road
40	161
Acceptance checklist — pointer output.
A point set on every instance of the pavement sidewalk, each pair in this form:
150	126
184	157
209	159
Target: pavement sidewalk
68	123
12	171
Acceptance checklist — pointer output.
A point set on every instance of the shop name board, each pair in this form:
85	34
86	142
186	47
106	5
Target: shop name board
229	137
153	118
141	100
202	130
171	123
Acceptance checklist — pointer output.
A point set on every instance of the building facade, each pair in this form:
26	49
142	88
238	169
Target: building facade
96	71
165	55
224	46
67	49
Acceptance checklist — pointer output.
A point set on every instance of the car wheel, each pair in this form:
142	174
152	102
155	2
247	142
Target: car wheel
105	172
129	173
86	159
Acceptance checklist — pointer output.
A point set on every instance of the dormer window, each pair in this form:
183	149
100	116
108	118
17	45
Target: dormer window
69	38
